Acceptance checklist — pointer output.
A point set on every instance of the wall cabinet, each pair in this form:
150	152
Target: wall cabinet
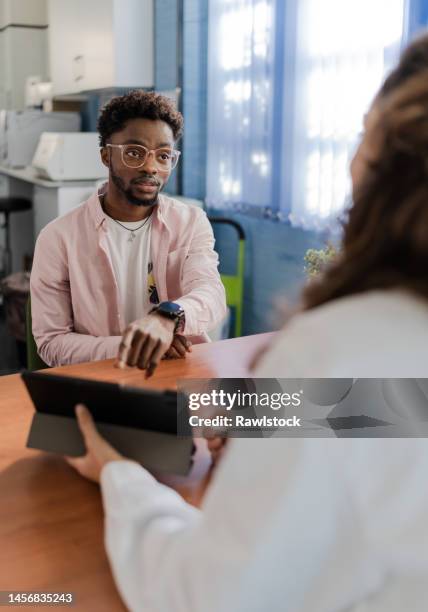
100	44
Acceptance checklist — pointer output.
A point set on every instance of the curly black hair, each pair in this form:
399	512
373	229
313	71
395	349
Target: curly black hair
137	104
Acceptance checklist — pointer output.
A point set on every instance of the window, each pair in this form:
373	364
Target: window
343	50
240	89
289	84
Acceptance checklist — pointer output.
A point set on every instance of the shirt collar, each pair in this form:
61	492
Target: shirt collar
95	208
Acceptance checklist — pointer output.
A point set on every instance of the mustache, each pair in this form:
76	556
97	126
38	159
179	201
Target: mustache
151	180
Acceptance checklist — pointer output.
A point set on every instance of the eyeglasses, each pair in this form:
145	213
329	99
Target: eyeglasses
135	156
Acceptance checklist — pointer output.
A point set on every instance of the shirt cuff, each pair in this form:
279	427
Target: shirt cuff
111	348
124	483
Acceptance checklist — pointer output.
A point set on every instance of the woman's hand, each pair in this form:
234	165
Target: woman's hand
216	446
98	451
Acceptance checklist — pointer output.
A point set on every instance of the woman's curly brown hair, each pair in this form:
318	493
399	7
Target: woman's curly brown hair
385	242
138	104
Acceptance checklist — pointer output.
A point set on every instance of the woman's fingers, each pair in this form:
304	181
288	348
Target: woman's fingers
87	425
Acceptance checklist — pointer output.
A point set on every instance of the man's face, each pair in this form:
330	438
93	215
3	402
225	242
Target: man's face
140	186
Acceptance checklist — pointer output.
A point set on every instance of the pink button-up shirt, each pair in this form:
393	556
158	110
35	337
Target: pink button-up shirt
76	308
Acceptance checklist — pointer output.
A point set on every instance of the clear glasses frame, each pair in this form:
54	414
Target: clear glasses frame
165	159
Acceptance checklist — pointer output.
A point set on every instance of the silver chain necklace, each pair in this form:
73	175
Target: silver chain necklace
132	235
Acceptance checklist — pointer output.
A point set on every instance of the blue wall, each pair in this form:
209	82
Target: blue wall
195	30
273	265
166	19
194	75
166	59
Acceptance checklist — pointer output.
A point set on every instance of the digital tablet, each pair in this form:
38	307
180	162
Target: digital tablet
140	423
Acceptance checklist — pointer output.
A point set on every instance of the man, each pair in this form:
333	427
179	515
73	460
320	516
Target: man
130	272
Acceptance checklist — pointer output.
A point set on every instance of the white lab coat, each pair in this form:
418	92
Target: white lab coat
292	525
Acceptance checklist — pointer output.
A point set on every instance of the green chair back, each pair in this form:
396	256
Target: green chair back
234	283
34	361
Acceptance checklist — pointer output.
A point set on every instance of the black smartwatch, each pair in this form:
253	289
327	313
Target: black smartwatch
172	310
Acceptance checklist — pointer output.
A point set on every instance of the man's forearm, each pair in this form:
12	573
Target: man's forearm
68	348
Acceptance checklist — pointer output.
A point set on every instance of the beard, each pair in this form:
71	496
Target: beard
127	191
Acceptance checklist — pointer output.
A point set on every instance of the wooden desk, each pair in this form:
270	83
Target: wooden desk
51	528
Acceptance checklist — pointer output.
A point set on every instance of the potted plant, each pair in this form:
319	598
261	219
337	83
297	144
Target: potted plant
316	260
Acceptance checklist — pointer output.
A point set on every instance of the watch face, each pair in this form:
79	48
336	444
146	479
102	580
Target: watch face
173	311
170	307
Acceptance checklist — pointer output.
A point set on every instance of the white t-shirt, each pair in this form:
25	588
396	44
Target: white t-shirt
130	256
302	525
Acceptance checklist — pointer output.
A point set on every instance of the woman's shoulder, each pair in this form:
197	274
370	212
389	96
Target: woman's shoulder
391	302
369	334
370	309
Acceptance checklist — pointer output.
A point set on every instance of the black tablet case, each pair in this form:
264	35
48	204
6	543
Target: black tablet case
141	424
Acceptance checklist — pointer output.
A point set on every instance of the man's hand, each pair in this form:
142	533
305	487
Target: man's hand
145	342
179	347
98	451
